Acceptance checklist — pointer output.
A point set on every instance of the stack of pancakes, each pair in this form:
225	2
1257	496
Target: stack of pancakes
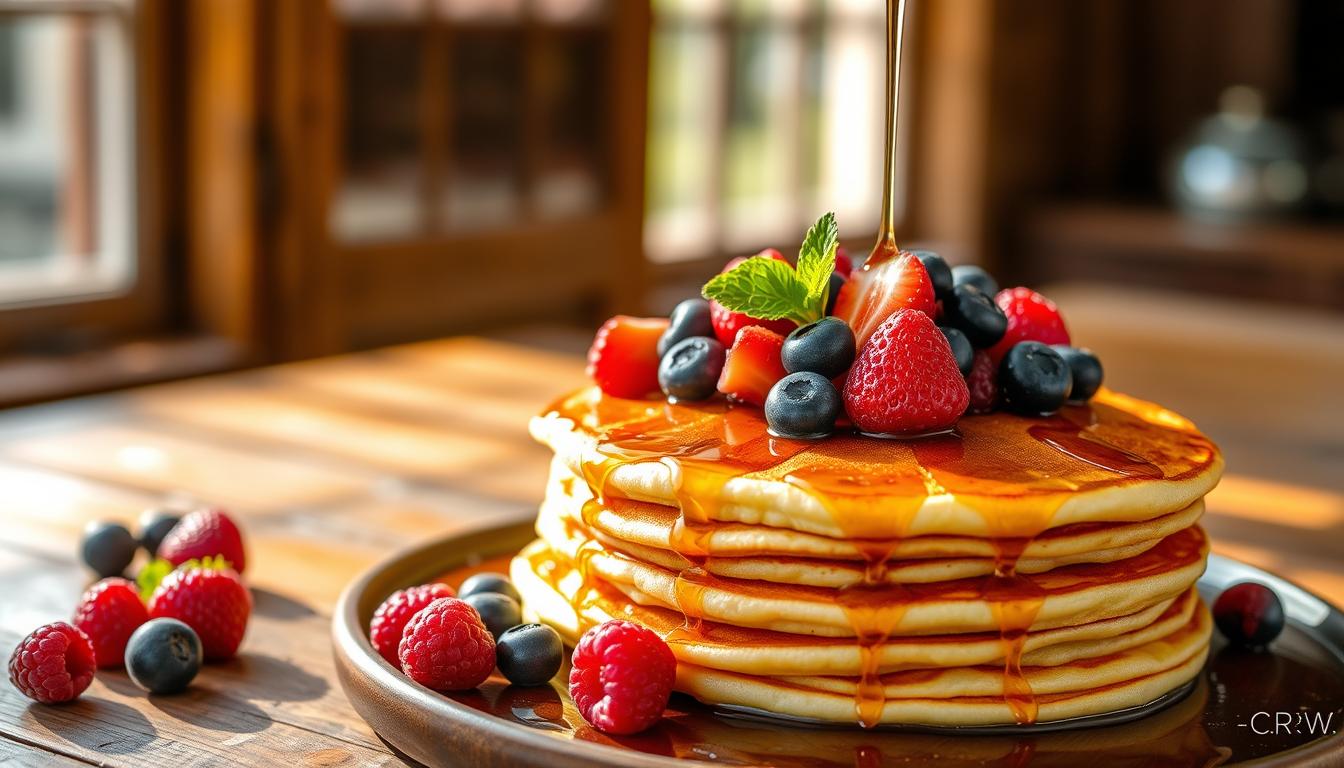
1014	570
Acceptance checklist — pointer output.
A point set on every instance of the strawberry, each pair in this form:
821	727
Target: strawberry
1031	317
205	533
727	323
885	284
624	357
211	600
844	265
983	383
753	365
905	380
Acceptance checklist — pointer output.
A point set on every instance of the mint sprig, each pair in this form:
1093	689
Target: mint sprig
768	289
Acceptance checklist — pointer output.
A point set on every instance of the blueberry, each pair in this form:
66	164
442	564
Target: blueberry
1086	371
1034	379
488	581
163	656
107	548
499	612
961	348
690	318
837	282
970	274
1249	614
154	526
690	369
939	273
529	654
825	347
803	405
975	314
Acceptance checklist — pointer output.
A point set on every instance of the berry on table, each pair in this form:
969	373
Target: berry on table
976	315
690	370
1086	371
752	366
1031	317
107	614
205	533
825	347
446	647
529	654
961	349
107	548
970	274
983	383
727	323
1034	379
622	677
488	581
623	359
689	318
1249	614
390	619
499	613
803	405
877	290
163	656
211	600
53	664
154	526
940	274
905	380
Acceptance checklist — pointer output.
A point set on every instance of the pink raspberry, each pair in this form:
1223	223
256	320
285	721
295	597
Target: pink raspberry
108	613
622	676
389	621
53	664
447	647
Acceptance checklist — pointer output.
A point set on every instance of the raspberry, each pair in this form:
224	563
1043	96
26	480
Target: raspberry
622	676
623	359
204	533
390	619
727	323
983	382
905	380
108	613
844	265
1031	317
53	664
212	601
446	647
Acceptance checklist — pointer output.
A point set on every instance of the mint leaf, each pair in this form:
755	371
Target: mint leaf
816	259
762	288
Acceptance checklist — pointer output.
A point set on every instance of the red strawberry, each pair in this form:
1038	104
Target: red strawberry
108	613
884	285
1031	317
753	365
624	357
205	533
727	323
212	601
983	383
843	264
905	380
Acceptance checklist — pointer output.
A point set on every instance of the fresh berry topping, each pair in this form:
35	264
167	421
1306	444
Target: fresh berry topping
529	654
905	380
622	677
961	348
1086	370
107	548
690	318
833	292
976	315
983	383
446	647
970	274
624	357
154	527
489	581
690	370
1031	317
752	366
803	405
164	656
844	265
107	614
210	600
1034	379
879	289
53	664
1249	614
391	617
727	323
940	274
825	347
205	533
499	613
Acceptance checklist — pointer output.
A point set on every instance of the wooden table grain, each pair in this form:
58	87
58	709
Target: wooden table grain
331	465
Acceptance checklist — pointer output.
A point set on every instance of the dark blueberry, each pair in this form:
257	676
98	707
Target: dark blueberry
1034	379
107	548
1249	614
163	656
975	314
154	525
529	654
1086	370
961	348
689	318
825	347
837	282
970	274
803	405
500	613
690	369
939	273
488	582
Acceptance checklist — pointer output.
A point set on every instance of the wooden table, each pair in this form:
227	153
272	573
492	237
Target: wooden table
331	465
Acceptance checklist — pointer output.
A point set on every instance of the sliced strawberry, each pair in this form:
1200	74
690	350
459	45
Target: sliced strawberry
1031	317
905	380
884	285
728	323
753	365
624	357
983	383
843	264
